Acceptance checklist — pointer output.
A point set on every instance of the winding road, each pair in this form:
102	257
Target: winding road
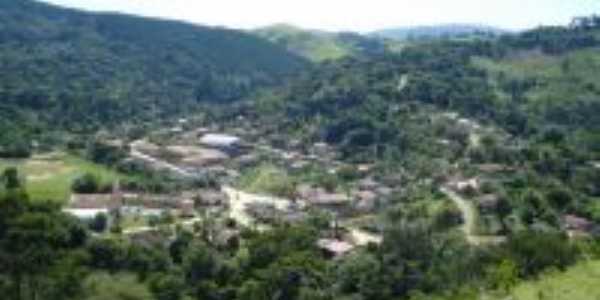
469	227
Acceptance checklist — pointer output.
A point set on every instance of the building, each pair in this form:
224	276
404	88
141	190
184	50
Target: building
319	197
577	226
220	141
488	203
334	248
88	206
365	201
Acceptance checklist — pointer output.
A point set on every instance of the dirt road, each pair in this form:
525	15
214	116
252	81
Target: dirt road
470	215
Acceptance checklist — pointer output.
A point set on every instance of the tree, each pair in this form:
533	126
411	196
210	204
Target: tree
86	184
504	276
535	251
99	222
37	244
11	179
167	287
559	198
363	274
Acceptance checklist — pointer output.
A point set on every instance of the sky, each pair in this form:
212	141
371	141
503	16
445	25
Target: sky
351	15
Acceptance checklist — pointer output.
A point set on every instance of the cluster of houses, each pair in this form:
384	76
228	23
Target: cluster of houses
365	197
184	205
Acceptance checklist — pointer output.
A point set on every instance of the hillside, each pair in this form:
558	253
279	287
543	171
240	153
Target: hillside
319	46
525	105
446	31
78	69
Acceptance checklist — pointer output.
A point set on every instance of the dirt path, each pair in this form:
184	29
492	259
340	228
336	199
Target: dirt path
239	200
469	213
362	238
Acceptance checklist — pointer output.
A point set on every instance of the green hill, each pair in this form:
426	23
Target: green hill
79	70
319	46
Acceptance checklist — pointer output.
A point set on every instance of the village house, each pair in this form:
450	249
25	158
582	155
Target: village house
466	185
577	226
319	197
208	197
227	143
364	201
334	248
364	168
88	206
494	168
299	165
488	203
368	184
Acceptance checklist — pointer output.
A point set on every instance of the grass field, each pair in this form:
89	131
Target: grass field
49	177
559	78
580	282
120	286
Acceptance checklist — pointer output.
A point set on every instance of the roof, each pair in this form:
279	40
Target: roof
577	223
93	201
368	184
211	197
85	213
365	195
336	247
219	140
320	196
488	201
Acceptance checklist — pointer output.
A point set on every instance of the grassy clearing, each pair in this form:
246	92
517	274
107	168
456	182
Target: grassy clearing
122	286
559	78
267	179
49	177
580	282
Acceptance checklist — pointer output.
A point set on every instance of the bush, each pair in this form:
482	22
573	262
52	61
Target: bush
86	184
535	251
16	149
99	223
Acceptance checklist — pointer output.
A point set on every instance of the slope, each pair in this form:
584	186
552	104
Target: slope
319	46
79	70
445	31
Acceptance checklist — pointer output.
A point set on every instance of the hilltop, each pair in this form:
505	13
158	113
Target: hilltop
318	45
447	31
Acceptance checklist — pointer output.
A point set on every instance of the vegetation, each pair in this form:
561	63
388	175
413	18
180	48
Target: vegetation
83	71
52	177
449	31
321	46
515	114
577	282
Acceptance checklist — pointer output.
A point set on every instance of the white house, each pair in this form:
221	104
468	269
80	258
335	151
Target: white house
222	141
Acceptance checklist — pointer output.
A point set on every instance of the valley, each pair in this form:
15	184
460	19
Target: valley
155	159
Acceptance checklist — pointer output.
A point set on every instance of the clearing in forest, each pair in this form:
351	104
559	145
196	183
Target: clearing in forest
50	176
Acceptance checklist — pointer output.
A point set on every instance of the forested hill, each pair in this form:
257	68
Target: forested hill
538	81
447	31
75	67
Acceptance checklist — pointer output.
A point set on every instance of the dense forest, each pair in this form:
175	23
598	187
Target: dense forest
78	70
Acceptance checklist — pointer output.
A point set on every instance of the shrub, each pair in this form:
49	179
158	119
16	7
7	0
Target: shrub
86	184
99	223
